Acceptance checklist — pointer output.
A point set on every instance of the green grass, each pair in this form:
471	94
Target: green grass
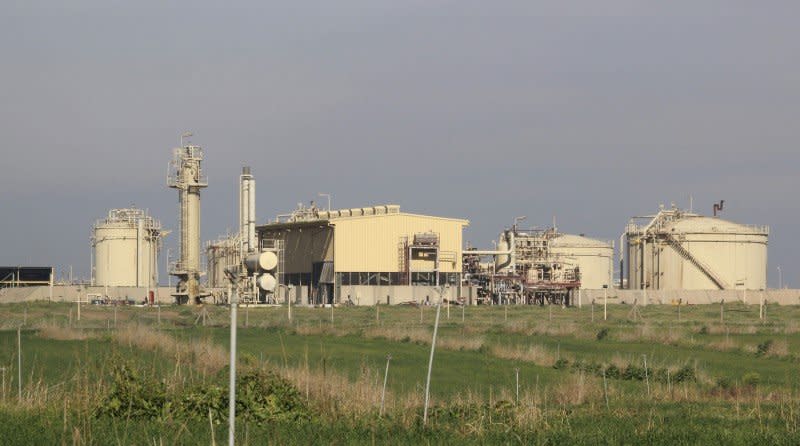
695	413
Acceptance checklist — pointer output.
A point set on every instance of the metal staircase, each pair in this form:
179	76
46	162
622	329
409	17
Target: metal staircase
678	247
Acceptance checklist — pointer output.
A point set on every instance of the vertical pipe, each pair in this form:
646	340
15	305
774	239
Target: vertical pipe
644	272
232	382
251	231
241	214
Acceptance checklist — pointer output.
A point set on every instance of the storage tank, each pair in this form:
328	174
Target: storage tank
126	246
683	251
595	258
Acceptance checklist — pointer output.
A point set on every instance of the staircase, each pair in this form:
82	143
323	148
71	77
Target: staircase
678	247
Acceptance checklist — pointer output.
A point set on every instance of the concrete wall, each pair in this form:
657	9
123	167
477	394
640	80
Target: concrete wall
71	293
693	297
368	295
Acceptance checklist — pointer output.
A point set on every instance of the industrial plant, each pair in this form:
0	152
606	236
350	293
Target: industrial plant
378	254
540	266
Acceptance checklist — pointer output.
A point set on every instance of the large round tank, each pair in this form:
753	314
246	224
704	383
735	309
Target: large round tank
126	246
692	252
595	258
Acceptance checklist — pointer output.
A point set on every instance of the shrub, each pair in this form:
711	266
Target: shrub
602	334
561	364
133	396
260	397
764	347
703	330
685	373
613	372
751	379
724	383
633	372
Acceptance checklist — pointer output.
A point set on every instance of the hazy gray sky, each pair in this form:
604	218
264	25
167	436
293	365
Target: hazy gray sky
590	111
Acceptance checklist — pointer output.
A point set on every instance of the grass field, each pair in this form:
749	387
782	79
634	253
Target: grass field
515	375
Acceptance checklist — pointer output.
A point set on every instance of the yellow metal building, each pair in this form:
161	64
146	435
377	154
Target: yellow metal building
364	255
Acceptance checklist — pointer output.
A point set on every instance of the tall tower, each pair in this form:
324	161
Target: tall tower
185	174
247	211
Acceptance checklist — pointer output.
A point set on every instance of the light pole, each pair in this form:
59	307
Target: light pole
780	278
329	199
234	302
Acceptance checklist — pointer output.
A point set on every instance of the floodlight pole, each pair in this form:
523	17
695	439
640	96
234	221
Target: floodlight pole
234	300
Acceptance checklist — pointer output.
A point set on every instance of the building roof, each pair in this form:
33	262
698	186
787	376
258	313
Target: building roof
326	218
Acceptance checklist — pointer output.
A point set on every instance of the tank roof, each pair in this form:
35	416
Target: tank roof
578	240
711	224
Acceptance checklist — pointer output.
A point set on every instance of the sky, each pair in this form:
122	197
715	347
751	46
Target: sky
589	112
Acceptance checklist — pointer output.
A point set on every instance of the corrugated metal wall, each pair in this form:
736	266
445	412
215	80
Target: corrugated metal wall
373	243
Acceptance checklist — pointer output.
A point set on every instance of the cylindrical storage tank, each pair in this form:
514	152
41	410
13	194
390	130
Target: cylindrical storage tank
267	282
704	253
265	261
595	258
126	246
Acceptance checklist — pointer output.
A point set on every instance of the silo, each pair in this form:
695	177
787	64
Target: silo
595	258
126	245
683	251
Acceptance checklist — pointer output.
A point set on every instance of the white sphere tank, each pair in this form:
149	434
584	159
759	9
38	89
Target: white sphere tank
125	246
595	258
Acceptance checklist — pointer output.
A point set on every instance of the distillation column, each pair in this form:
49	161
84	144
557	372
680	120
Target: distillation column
186	176
247	211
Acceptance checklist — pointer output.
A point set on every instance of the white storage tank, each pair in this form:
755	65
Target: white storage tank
683	251
125	246
595	258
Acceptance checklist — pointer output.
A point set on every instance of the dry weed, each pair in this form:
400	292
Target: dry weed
202	353
58	333
534	353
